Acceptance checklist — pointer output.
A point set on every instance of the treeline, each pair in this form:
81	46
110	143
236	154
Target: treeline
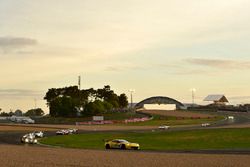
72	102
30	113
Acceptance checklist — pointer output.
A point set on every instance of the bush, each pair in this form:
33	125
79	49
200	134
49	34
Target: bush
97	107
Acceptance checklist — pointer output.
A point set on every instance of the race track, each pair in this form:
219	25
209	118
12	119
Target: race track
16	154
23	156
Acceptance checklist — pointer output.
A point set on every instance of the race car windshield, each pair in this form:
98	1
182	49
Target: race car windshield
123	141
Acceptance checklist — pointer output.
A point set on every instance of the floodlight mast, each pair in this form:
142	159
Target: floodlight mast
131	97
193	90
79	82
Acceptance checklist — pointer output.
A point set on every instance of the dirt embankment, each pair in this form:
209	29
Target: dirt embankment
29	156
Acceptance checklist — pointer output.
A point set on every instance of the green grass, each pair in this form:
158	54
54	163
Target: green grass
161	140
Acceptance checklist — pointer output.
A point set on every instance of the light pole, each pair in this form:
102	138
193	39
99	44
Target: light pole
131	97
193	90
79	82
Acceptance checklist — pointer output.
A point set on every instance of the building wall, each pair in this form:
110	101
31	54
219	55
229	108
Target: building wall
160	106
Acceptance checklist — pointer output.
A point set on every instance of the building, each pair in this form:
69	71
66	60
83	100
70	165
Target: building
159	103
217	99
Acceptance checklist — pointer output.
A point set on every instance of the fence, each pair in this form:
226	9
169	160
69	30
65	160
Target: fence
114	121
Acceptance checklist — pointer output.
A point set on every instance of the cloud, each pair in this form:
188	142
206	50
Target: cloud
220	63
17	93
191	72
177	68
8	44
239	97
119	68
200	66
15	41
113	69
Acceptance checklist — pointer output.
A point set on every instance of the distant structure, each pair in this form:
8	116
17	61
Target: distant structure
217	99
162	102
79	82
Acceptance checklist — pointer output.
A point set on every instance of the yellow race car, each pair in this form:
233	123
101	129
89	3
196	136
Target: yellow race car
121	144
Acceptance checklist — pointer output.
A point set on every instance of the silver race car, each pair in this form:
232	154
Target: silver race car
39	134
29	138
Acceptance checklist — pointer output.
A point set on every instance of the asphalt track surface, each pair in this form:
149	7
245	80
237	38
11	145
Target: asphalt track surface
13	153
13	138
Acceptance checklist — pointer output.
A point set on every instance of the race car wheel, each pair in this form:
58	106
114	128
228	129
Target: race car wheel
123	147
107	146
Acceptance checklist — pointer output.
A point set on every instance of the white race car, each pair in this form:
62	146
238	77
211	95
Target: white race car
28	121
205	124
62	132
38	134
29	138
66	131
72	131
163	127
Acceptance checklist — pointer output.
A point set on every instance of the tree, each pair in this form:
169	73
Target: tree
123	100
5	114
53	93
34	112
80	97
68	101
93	108
11	113
64	106
107	106
108	95
89	95
18	113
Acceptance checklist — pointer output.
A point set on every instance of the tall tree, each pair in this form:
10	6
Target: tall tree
68	101
63	107
123	100
96	107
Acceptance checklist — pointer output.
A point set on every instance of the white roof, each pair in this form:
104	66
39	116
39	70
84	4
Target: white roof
220	98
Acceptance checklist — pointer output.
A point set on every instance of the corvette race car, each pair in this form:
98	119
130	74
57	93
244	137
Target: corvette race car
121	144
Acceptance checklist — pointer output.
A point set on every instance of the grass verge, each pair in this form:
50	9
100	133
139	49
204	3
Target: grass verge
218	139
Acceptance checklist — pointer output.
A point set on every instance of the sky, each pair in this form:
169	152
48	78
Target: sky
160	47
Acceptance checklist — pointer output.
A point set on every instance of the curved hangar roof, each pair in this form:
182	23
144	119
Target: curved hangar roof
159	100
